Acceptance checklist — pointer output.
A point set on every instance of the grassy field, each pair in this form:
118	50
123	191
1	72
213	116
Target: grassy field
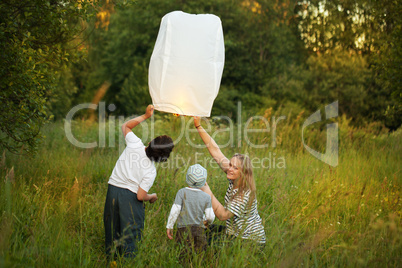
51	204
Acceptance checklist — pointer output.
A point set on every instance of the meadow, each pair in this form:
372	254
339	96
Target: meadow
315	215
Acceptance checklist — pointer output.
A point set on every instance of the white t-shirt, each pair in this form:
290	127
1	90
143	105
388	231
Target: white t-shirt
133	169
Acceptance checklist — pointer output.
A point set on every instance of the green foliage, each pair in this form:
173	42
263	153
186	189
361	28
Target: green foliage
307	54
325	78
254	51
135	93
350	25
387	63
301	54
61	100
119	53
372	28
33	35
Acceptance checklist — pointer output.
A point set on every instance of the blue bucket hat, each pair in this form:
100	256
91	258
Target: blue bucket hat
196	176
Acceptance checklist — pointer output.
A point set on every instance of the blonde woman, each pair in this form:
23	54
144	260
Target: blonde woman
240	210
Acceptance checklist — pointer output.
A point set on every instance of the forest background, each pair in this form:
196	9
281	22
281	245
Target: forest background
293	55
286	59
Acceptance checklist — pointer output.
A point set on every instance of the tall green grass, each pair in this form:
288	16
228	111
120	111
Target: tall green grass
51	204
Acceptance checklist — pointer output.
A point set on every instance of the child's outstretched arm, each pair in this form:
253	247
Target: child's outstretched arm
129	125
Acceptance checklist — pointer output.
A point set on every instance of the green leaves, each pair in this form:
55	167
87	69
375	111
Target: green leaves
34	38
277	53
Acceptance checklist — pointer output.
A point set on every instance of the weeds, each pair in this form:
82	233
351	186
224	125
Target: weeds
51	205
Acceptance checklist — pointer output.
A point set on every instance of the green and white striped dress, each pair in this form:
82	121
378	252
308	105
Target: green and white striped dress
246	221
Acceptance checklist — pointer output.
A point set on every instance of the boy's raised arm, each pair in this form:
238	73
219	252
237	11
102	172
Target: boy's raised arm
129	125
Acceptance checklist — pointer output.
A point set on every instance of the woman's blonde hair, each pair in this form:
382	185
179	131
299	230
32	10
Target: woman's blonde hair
246	180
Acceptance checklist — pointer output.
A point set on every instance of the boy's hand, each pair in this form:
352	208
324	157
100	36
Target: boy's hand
154	197
169	233
149	111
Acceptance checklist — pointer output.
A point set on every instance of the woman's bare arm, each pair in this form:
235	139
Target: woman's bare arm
212	147
220	211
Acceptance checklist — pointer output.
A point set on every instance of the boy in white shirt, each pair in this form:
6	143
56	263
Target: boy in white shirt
131	179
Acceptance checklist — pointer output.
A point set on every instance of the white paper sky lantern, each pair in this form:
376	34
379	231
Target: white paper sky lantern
186	65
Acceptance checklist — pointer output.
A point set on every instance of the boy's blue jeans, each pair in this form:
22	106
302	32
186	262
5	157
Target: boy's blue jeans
123	219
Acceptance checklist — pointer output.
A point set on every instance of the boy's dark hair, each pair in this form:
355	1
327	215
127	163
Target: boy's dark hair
160	148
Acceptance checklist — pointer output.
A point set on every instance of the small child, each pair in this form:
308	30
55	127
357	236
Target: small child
189	207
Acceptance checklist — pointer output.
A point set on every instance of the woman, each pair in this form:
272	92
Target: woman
240	210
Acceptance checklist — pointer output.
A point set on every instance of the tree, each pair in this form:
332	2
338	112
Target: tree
306	53
259	43
345	24
34	37
369	28
387	63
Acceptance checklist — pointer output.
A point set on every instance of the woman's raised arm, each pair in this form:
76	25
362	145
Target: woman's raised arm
213	148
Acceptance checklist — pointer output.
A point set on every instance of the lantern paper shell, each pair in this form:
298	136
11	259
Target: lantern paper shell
186	65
